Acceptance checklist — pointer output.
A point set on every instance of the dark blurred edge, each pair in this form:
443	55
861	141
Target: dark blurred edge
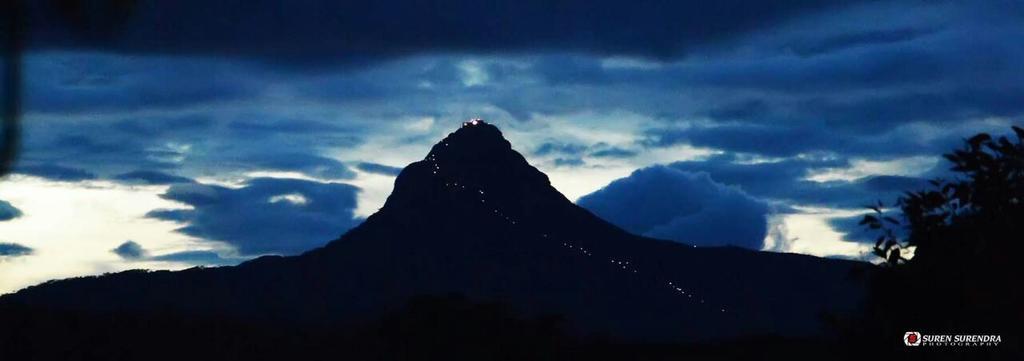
91	21
13	33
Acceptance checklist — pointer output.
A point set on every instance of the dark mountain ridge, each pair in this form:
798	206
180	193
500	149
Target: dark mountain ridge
474	218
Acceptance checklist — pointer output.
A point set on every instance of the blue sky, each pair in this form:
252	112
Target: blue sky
184	134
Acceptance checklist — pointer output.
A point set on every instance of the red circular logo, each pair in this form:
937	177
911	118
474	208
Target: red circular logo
912	338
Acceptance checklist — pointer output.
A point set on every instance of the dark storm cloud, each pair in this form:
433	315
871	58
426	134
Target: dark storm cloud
557	148
960	51
267	215
807	149
759	139
198	133
376	168
887	189
262	128
857	39
14	250
569	162
723	199
198	258
130	250
576	150
785	180
823	77
8	211
177	215
72	82
152	177
318	31
82	144
55	172
880	114
946	57
163	125
892	183
853	231
613	152
778	140
692	208
307	163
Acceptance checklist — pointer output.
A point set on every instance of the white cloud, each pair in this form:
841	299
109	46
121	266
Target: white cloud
909	166
293	198
473	73
420	125
618	62
73	226
808	232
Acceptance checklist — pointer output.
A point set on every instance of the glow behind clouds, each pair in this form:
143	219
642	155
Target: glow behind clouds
72	228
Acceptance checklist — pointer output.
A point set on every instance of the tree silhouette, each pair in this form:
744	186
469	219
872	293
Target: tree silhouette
956	269
974	216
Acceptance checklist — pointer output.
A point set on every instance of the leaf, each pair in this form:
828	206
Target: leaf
1005	143
894	257
1019	131
976	140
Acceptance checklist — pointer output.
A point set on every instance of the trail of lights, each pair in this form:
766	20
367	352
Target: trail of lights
618	262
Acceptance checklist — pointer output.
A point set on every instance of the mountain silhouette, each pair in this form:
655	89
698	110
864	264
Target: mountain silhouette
474	218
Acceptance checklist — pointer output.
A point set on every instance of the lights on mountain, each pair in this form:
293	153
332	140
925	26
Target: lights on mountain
473	122
582	250
618	263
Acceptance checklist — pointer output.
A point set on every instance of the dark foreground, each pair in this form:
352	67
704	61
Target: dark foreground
428	328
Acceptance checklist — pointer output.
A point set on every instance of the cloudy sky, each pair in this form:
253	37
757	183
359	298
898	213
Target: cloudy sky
172	134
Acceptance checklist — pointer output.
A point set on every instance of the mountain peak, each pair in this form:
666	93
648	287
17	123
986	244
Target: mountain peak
474	122
474	167
477	152
475	139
